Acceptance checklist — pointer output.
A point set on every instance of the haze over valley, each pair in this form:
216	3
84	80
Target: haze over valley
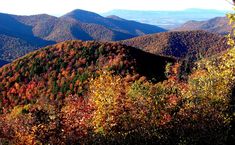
168	19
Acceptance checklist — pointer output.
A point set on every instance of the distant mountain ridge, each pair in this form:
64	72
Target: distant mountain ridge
120	25
180	44
22	34
10	26
216	25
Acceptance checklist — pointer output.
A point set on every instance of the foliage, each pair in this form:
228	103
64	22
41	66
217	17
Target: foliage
98	93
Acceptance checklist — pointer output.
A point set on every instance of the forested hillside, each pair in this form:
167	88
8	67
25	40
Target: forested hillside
181	44
9	47
107	93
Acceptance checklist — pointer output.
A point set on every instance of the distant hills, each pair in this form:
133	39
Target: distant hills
22	34
180	44
167	19
216	25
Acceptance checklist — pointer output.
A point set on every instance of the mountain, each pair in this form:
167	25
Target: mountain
167	19
16	38
22	34
216	25
10	26
53	69
180	44
119	25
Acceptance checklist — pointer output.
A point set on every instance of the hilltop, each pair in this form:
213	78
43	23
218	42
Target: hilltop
55	69
217	25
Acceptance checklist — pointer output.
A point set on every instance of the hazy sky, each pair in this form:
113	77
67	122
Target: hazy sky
59	7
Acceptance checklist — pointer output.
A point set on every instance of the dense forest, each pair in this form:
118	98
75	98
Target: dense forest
106	93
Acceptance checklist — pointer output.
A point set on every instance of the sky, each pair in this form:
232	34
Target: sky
60	7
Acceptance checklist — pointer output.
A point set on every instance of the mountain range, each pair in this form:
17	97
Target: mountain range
22	34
